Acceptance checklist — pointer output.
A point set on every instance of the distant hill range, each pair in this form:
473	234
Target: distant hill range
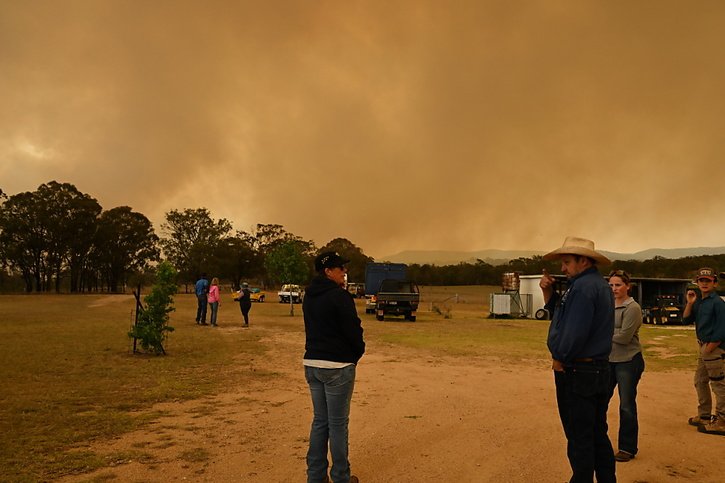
499	257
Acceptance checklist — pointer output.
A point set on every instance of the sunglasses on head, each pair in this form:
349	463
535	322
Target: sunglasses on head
621	274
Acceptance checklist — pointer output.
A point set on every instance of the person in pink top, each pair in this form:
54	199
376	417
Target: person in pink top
213	299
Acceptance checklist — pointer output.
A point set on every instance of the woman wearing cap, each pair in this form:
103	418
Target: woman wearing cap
626	362
245	302
213	299
333	346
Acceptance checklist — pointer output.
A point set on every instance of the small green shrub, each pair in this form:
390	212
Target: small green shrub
151	330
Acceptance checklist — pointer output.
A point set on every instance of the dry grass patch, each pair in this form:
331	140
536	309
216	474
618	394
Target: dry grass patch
73	379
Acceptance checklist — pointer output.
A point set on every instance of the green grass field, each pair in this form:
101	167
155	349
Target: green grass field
69	376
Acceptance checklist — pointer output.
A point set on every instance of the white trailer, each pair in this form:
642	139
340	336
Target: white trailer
511	304
529	284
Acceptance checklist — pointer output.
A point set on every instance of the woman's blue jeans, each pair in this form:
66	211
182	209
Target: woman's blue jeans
214	310
331	391
625	376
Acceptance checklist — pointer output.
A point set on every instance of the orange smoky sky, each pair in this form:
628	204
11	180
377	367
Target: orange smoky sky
407	125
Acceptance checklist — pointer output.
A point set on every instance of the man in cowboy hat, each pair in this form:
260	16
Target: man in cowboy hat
580	340
708	313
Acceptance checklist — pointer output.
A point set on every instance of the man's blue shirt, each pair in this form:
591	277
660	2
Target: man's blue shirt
583	323
709	317
201	286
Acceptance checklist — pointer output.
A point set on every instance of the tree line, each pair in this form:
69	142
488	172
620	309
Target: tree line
58	238
482	273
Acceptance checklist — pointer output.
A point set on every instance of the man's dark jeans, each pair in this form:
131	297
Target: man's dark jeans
582	393
201	309
626	376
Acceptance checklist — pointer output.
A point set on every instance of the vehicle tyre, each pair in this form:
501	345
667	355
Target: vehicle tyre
541	314
380	317
411	318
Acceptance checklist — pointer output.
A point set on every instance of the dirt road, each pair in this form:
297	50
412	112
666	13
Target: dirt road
414	418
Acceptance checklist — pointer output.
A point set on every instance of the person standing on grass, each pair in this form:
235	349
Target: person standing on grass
580	341
626	363
201	288
245	302
333	346
214	300
708	313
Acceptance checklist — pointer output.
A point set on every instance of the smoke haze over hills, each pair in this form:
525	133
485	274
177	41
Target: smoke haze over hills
497	257
410	125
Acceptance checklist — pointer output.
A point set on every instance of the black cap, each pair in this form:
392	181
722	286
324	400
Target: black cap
329	260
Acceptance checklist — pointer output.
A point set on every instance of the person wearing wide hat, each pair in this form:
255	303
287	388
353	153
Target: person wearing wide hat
580	341
333	346
708	314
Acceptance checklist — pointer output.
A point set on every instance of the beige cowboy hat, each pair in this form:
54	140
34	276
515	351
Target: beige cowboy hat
578	246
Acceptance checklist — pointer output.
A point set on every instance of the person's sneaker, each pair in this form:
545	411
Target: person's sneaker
623	456
717	426
699	420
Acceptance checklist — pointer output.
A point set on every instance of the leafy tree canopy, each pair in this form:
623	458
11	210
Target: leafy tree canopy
287	264
125	243
192	239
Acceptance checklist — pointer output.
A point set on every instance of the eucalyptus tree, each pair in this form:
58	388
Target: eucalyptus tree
266	238
236	259
70	218
125	243
191	241
288	263
23	238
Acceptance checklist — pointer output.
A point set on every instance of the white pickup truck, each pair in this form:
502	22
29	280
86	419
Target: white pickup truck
293	291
